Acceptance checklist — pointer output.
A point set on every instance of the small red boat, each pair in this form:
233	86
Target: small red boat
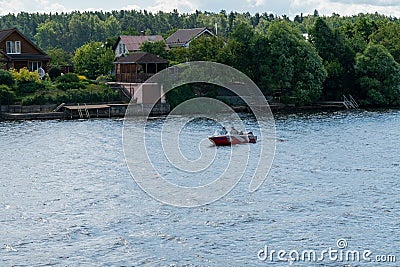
227	140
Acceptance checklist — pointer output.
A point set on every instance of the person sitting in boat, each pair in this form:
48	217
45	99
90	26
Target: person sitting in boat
233	131
223	131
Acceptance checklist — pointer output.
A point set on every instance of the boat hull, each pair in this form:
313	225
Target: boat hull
227	140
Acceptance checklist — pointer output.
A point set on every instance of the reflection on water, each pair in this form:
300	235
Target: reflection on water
67	198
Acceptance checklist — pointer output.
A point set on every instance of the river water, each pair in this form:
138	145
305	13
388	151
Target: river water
67	197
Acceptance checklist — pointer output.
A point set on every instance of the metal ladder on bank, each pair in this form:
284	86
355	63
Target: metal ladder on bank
80	113
350	103
87	112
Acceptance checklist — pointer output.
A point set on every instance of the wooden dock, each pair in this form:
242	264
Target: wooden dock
85	111
82	111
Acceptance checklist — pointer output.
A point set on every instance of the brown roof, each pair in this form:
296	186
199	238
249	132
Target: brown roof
140	57
3	56
23	57
133	43
5	33
184	36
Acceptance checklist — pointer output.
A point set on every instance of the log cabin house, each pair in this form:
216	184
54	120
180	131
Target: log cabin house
130	44
183	37
138	67
17	51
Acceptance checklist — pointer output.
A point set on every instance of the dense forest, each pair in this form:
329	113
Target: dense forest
71	30
306	59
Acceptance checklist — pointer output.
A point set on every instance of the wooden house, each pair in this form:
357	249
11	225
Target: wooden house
183	37
138	67
129	44
17	51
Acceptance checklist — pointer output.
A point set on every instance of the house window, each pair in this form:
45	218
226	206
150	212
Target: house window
34	65
121	49
13	47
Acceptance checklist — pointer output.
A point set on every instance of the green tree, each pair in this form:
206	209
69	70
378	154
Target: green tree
53	33
59	57
112	27
365	26
157	48
205	48
262	26
178	55
379	76
238	50
338	59
85	28
388	35
297	69
262	63
47	35
93	59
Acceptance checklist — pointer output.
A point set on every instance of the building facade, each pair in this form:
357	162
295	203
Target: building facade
17	51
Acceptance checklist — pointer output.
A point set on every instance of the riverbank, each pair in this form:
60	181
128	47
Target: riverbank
277	107
106	110
118	110
33	116
78	111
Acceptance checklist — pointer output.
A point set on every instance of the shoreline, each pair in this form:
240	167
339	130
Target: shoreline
79	111
112	110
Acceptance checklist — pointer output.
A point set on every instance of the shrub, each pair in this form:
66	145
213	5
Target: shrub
94	95
71	85
91	96
70	81
7	96
37	99
54	72
179	95
30	87
6	78
24	75
28	100
68	78
82	78
27	81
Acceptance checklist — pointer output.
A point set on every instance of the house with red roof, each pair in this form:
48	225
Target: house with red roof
183	37
129	44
